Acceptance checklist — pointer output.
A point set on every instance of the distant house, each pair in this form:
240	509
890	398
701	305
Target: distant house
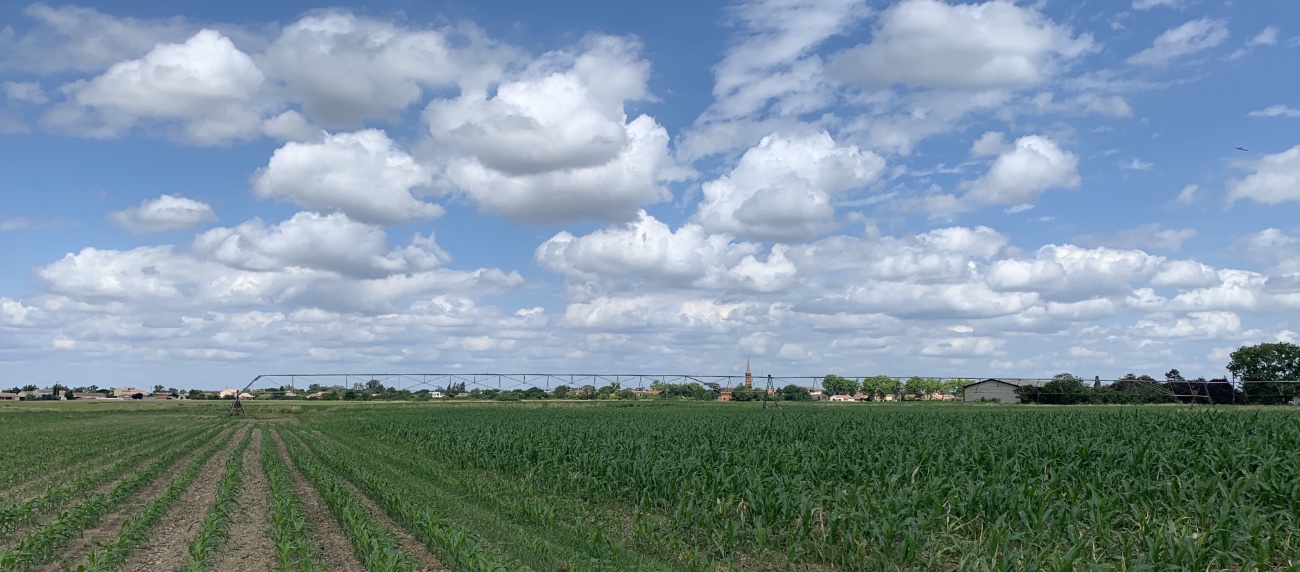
6	396
317	395
841	397
435	395
227	393
89	395
646	393
1001	390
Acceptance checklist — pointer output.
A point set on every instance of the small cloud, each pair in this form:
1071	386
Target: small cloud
1189	38
1266	37
1276	111
18	223
167	212
990	143
26	92
1187	196
1149	4
1145	237
1135	164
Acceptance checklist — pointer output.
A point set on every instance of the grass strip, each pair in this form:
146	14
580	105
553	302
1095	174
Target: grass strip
41	545
111	556
376	548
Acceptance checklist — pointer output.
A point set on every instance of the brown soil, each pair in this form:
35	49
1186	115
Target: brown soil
419	554
250	548
168	544
332	543
109	526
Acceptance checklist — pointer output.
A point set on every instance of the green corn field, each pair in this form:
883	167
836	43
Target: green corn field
655	486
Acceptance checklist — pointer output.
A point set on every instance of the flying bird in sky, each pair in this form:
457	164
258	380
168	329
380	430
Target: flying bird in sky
1242	149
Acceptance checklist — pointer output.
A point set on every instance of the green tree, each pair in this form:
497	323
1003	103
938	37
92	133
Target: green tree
882	385
374	386
919	386
561	391
836	385
745	393
1262	369
158	388
793	392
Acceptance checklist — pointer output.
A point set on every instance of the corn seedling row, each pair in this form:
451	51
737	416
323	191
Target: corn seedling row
456	548
112	555
216	526
290	530
485	505
892	489
40	546
16	515
376	548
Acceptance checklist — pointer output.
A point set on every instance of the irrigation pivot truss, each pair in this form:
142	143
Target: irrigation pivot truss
1183	390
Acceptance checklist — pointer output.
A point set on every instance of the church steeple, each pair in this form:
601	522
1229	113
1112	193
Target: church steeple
749	376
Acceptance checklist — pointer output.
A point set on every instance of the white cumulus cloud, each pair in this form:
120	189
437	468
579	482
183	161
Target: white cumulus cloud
206	84
1275	180
928	43
363	175
555	145
167	212
783	189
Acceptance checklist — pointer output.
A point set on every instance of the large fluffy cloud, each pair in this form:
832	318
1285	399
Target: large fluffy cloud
167	212
783	189
206	84
929	43
324	242
363	175
1275	180
554	145
1017	177
345	69
650	251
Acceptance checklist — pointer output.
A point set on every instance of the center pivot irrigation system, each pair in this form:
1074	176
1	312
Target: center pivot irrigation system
1187	391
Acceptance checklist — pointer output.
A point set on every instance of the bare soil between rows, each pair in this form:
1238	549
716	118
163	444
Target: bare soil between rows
332	544
416	550
249	548
78	551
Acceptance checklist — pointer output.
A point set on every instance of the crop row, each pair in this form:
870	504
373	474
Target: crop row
889	489
41	545
40	450
112	555
216	525
289	525
530	529
18	514
457	548
376	547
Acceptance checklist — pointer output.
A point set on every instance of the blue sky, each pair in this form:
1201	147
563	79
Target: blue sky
900	188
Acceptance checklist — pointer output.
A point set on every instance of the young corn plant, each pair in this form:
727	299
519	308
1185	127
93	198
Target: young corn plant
290	529
112	555
376	547
216	526
41	545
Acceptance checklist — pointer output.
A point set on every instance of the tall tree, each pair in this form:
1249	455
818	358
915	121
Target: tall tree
1265	369
836	385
